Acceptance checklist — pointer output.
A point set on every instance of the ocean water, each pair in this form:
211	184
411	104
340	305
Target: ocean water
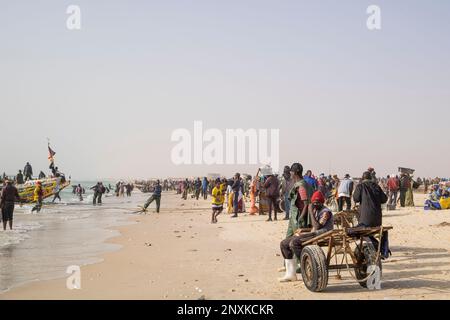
42	246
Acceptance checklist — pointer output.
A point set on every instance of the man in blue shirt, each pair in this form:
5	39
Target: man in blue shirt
156	196
205	184
310	180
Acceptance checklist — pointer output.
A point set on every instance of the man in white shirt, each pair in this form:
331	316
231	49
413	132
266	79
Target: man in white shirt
345	190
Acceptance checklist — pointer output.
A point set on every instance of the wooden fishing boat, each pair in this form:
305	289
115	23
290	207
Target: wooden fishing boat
49	185
26	190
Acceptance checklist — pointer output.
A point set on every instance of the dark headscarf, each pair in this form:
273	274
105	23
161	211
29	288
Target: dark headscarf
367	175
287	173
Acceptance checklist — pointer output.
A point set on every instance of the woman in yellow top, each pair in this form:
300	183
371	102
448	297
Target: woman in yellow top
445	200
217	201
38	196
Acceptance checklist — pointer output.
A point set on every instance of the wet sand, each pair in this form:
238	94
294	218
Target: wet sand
179	254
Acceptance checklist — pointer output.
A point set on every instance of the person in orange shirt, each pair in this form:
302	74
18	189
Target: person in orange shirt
253	193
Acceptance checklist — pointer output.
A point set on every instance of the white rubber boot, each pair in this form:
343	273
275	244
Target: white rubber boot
290	275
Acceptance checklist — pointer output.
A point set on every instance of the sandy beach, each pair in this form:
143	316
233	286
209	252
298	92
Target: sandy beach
179	254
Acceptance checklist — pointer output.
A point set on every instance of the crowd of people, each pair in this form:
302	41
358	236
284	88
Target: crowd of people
99	189
267	193
233	191
272	191
123	188
439	196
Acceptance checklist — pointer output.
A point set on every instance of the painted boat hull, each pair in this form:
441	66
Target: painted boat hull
26	190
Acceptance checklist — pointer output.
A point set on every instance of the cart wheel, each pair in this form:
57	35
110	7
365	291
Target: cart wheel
365	259
314	268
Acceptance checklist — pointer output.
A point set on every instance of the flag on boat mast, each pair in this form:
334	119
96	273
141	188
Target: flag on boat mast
51	154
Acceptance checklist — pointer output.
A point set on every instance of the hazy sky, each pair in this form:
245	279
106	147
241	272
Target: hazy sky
110	95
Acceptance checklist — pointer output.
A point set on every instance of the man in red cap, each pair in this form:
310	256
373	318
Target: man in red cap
321	221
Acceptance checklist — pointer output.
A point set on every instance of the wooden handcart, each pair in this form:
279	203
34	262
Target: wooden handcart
345	248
